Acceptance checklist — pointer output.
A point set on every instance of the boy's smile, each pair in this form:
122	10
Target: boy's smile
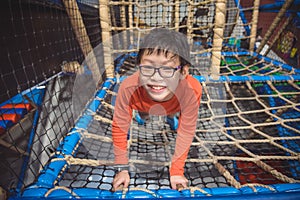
157	88
160	88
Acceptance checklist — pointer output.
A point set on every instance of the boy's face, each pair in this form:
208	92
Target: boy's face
160	88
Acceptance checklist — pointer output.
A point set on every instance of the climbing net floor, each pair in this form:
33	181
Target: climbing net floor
247	139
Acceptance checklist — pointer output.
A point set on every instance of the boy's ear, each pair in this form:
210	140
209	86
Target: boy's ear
185	71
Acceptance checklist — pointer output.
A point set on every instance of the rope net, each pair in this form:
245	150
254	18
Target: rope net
250	137
247	137
68	71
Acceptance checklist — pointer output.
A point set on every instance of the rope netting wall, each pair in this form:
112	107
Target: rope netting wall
38	41
63	62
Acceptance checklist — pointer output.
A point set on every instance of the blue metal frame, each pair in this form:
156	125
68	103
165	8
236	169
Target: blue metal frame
31	138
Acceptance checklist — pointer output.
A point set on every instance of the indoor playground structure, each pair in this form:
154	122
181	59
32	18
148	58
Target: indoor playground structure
62	62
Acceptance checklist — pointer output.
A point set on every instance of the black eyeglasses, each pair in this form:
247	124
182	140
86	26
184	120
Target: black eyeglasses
165	72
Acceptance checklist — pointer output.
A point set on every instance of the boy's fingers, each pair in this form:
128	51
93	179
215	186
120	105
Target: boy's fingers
118	187
179	186
175	185
121	181
126	184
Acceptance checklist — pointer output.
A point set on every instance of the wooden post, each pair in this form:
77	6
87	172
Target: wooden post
189	23
274	25
282	28
123	24
130	20
82	38
175	15
254	25
105	22
218	38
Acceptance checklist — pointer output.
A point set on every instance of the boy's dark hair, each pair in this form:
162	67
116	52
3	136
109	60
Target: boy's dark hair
162	40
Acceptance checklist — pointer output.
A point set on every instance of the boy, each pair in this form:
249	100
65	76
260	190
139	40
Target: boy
161	86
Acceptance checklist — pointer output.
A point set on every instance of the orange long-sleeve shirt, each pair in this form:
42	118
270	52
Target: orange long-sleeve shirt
132	95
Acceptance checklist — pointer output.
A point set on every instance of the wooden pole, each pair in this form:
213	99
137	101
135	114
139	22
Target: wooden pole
175	15
189	23
218	38
254	25
123	24
130	20
274	24
105	23
82	38
282	28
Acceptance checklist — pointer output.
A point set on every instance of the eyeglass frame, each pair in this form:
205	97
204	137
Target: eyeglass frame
157	69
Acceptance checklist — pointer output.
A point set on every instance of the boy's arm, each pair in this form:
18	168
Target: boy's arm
120	126
186	130
182	146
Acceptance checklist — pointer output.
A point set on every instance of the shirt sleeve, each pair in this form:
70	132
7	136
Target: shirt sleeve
120	125
186	130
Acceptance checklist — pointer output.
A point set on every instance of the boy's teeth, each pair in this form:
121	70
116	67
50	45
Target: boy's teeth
157	87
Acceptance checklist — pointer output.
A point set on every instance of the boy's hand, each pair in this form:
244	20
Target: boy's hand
178	181
121	180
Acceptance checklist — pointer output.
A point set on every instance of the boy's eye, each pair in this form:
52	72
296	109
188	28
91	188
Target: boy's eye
164	71
167	69
148	68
